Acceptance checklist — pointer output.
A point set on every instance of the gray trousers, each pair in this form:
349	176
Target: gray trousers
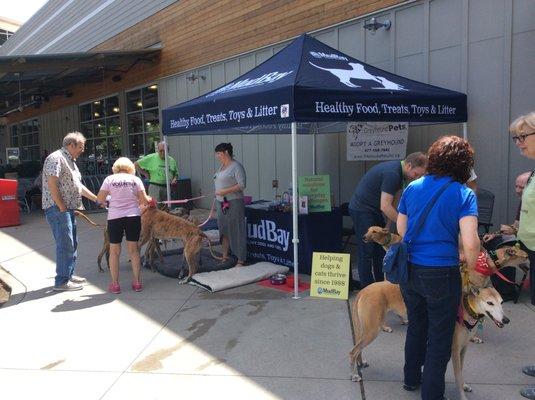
158	193
232	225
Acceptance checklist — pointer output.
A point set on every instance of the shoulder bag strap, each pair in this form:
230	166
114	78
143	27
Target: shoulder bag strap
427	209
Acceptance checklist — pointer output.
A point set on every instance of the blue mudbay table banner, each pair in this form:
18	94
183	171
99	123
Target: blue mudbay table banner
269	236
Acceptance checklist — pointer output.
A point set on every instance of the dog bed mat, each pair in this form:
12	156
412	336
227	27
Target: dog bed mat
230	278
174	265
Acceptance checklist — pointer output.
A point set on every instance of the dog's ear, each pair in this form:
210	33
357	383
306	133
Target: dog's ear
474	290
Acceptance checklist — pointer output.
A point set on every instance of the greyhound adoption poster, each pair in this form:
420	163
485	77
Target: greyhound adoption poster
377	140
330	275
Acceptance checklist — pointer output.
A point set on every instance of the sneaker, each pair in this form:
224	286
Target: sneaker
114	288
410	388
528	392
77	279
137	286
68	286
529	370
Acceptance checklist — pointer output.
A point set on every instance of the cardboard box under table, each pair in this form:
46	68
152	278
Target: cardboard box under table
269	236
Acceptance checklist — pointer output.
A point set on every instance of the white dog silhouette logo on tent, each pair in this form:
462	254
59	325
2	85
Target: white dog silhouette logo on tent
358	72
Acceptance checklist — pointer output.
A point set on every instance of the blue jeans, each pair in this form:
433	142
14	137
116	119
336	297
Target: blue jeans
369	255
63	225
432	297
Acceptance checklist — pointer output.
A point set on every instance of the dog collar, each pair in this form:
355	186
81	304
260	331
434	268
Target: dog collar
389	240
494	258
470	310
469	325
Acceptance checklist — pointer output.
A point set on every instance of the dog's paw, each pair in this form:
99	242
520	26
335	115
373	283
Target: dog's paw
387	329
404	322
355	378
467	388
476	339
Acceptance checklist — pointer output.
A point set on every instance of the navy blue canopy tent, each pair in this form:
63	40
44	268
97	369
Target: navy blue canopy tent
309	83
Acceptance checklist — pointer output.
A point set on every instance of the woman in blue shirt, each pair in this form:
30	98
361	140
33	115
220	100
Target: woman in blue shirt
433	292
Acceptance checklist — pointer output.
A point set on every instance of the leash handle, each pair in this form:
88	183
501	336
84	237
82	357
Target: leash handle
209	215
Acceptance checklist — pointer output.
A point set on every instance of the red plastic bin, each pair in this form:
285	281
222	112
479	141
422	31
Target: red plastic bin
9	205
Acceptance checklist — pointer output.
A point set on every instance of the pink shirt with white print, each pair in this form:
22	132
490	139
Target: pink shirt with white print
124	190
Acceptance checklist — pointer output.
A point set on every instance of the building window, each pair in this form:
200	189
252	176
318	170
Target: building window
4	35
14	136
143	120
100	124
25	135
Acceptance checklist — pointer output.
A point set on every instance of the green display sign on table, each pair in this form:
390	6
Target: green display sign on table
318	190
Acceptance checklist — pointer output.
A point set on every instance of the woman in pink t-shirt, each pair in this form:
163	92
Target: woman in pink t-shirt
126	193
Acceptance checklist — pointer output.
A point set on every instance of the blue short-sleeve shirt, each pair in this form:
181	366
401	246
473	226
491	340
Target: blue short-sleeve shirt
383	177
437	243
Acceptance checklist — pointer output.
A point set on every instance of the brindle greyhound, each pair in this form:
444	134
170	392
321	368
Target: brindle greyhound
153	247
157	224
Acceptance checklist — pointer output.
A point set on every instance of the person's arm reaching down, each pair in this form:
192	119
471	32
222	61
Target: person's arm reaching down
387	206
470	240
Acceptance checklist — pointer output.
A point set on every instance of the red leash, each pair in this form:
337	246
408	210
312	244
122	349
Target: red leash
209	215
483	268
181	201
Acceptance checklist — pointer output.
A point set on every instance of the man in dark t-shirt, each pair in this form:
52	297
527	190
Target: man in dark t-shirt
374	197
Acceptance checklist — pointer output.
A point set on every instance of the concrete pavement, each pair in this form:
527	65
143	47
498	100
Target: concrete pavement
177	341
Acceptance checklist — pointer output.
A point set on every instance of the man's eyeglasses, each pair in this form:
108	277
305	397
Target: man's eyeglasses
522	137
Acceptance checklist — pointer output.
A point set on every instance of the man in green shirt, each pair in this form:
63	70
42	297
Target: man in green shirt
152	167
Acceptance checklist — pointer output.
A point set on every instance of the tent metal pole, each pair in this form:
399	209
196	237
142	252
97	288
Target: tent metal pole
465	131
314	153
295	199
167	184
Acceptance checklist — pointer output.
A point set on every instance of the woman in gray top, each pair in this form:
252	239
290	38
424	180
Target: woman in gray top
230	181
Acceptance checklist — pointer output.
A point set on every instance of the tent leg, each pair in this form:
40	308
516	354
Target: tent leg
168	186
314	153
295	200
465	131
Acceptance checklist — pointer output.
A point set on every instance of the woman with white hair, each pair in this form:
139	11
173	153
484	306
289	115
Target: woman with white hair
126	193
523	134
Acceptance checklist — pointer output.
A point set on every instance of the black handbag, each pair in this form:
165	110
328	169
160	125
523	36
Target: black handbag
396	260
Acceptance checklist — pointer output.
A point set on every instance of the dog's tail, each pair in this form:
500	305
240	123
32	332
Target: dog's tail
81	214
210	247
